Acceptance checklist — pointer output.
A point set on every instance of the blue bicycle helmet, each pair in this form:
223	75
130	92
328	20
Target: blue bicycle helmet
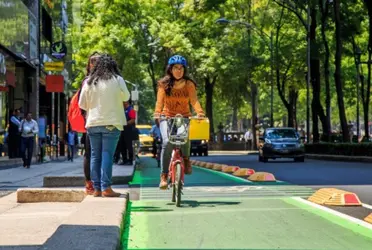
177	59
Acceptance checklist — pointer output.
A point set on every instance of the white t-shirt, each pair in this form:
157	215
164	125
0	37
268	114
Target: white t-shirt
103	102
248	136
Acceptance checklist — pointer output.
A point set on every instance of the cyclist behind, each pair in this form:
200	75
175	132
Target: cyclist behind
175	93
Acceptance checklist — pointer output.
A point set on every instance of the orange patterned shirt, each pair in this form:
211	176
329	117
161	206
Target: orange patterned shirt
178	101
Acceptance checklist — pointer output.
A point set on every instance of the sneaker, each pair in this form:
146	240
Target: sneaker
110	193
89	190
97	193
188	167
163	181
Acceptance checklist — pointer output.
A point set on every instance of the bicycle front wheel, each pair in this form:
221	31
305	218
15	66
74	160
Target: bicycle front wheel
178	185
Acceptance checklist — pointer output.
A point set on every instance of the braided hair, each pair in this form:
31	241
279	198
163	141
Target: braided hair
104	69
168	81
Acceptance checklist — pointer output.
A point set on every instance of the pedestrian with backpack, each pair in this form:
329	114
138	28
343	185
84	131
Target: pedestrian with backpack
102	97
77	119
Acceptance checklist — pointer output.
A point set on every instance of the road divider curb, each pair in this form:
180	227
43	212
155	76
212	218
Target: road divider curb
209	165
368	219
339	158
244	172
335	197
230	169
218	167
32	195
262	176
241	173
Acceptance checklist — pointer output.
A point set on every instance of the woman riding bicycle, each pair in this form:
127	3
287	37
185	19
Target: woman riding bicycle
175	93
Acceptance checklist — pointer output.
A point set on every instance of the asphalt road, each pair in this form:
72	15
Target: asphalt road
350	176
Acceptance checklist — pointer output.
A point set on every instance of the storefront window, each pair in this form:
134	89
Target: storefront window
7	79
14	34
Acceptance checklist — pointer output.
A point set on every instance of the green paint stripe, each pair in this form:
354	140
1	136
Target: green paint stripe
225	175
332	218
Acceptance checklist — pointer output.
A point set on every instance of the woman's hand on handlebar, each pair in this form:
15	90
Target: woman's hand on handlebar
201	116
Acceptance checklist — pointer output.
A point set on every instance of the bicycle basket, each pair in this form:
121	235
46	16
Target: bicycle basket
178	130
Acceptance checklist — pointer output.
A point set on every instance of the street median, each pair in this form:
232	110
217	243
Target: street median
339	158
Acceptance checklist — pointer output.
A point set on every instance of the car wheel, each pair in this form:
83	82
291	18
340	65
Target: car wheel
200	153
206	153
265	159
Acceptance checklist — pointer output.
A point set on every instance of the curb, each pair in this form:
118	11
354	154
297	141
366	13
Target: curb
339	158
33	195
79	181
97	224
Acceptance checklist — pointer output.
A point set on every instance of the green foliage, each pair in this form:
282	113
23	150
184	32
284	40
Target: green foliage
142	34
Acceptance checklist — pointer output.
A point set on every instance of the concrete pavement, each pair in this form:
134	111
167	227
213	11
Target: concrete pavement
94	223
19	177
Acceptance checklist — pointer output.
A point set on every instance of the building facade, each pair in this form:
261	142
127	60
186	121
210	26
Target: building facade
28	30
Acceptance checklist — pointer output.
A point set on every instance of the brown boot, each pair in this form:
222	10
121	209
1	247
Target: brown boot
110	193
89	190
163	181
97	193
187	163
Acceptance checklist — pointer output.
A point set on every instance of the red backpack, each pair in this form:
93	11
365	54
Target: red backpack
75	116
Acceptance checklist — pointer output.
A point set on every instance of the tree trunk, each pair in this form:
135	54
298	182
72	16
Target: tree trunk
317	109
324	9
338	80
235	119
368	98
291	108
151	70
209	89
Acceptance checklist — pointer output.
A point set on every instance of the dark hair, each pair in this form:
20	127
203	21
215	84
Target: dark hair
168	80
104	69
94	56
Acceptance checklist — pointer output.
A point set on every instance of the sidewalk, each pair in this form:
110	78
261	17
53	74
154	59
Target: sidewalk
94	223
19	177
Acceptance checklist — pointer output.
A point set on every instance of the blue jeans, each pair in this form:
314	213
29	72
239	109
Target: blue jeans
103	141
70	152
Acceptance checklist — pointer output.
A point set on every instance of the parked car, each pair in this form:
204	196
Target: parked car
281	143
199	147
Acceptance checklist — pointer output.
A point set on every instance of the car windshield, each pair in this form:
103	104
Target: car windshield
280	133
144	131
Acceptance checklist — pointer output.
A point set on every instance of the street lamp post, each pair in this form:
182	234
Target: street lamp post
264	37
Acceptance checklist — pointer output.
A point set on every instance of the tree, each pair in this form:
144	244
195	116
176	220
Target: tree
338	79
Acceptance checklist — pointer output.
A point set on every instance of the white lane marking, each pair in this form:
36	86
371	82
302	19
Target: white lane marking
334	212
367	206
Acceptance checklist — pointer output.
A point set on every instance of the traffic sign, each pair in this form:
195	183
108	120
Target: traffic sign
54	66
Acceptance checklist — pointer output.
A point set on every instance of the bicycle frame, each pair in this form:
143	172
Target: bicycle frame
176	159
178	133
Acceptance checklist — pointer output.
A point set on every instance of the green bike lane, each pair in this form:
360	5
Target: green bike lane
223	212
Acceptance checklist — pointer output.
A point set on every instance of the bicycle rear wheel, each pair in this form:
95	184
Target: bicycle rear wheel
178	185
